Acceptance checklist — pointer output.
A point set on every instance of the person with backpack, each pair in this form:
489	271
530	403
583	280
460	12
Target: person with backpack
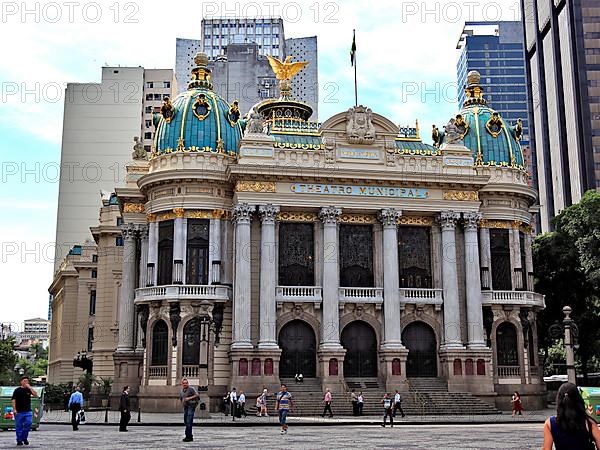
386	401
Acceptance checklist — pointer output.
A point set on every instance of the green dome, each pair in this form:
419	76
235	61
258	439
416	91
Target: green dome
492	141
198	120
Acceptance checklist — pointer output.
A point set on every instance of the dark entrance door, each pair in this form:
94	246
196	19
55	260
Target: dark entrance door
298	350
359	340
419	338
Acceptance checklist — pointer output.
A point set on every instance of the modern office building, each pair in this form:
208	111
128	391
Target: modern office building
562	41
99	125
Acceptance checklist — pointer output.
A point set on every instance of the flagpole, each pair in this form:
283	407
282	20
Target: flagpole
355	82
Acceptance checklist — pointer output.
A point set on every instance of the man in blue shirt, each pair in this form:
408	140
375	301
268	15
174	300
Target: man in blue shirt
21	403
284	402
75	405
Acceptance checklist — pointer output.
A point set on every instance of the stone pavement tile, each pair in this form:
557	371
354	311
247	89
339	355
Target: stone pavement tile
422	437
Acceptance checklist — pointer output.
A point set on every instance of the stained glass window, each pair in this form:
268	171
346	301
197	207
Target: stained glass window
296	254
356	255
414	257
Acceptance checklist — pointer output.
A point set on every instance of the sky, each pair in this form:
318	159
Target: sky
406	70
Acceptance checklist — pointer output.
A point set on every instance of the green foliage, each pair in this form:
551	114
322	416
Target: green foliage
8	360
86	382
105	386
55	392
567	271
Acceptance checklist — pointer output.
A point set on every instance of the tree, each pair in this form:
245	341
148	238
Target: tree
8	360
567	272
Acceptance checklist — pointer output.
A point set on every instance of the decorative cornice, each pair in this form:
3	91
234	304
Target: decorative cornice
179	213
486	223
242	213
292	216
329	215
255	186
133	208
169	215
357	218
463	196
447	219
471	220
268	213
424	221
515	224
389	217
150	218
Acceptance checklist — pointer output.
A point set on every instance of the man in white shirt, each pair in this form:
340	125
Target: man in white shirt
242	404
398	404
234	403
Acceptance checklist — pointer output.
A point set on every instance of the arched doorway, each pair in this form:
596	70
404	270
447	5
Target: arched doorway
360	342
420	340
298	350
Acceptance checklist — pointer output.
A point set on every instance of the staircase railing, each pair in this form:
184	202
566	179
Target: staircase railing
420	400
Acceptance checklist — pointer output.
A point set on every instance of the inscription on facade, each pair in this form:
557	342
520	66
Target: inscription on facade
257	151
358	153
459	161
363	191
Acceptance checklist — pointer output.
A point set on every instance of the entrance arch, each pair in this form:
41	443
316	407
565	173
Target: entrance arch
298	350
360	342
420	340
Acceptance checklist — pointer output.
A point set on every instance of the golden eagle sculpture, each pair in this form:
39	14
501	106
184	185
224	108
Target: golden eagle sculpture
285	70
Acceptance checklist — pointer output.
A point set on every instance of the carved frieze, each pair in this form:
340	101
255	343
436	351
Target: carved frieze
255	186
462	196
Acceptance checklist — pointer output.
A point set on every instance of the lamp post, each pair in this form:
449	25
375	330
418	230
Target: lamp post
569	328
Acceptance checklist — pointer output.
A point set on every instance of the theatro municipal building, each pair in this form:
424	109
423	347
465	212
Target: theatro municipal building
261	244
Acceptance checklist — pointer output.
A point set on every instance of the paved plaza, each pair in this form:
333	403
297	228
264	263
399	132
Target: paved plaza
427	437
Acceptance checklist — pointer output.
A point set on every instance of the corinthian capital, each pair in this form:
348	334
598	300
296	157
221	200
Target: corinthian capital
471	220
389	217
447	219
143	230
268	213
329	215
242	213
129	231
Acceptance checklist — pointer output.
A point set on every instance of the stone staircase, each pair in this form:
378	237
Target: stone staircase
432	397
308	397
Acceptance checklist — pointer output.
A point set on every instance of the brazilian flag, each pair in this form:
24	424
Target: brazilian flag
353	49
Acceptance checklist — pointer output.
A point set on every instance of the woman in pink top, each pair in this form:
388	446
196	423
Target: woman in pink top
327	402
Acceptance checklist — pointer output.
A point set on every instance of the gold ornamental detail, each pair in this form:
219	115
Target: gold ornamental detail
422	221
290	216
133	208
255	186
515	224
358	218
179	212
486	223
526	229
151	218
461	196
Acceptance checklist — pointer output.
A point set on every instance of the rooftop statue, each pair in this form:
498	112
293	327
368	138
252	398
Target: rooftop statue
138	150
285	70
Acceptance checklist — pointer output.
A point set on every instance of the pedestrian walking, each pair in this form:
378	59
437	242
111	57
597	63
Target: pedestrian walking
242	404
361	403
226	403
21	405
327	399
66	398
517	406
398	404
125	408
386	401
75	405
354	399
285	401
189	399
571	427
234	401
263	403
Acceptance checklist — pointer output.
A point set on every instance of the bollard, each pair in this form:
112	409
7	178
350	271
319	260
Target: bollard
106	415
139	414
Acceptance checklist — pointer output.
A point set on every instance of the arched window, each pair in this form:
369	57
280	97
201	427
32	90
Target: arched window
469	367
191	343
506	345
160	343
480	367
457	367
243	369
255	367
396	368
333	367
269	366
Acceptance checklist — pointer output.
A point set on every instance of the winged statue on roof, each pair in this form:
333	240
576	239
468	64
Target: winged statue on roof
285	70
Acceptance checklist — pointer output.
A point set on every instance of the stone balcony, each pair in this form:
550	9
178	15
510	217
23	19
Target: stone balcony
421	297
373	295
184	292
518	298
299	294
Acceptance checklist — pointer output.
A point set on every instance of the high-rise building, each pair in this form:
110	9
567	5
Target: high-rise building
563	69
306	83
185	50
497	51
99	126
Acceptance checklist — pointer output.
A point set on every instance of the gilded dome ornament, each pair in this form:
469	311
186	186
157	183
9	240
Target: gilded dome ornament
518	130
233	115
201	107
436	137
461	125
494	125
167	110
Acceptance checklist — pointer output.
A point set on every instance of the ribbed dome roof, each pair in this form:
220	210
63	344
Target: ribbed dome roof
198	120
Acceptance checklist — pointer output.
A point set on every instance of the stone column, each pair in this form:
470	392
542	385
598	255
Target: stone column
528	261
485	254
214	254
127	294
151	274
472	272
143	271
268	276
391	284
330	324
452	337
178	246
242	216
